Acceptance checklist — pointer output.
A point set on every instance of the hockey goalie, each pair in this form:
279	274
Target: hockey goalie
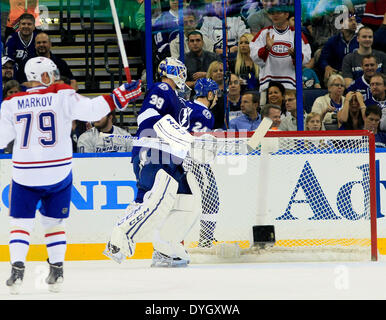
165	194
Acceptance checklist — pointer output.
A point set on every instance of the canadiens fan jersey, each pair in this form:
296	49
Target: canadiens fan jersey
276	64
40	122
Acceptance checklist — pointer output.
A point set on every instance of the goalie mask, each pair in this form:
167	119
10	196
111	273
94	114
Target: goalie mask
173	69
36	67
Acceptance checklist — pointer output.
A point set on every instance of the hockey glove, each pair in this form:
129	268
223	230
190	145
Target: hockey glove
125	93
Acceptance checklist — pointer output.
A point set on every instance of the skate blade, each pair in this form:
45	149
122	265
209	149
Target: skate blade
117	257
158	264
57	286
16	287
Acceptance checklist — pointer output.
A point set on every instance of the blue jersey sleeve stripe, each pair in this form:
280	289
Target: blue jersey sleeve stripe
148	113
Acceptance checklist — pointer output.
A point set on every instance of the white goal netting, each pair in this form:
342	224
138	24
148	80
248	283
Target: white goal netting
316	191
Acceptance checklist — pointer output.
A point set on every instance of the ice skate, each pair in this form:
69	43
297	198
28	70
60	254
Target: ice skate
160	260
55	277
114	253
16	279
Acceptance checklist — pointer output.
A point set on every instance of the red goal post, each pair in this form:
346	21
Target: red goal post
316	189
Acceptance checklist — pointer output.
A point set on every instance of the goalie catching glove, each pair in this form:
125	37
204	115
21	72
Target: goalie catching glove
126	93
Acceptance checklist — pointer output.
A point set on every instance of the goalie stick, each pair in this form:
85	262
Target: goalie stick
203	149
252	144
170	132
172	136
259	134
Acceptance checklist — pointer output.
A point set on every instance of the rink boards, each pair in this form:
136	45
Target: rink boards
104	184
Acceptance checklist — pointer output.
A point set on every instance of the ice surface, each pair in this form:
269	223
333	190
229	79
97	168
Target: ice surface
135	280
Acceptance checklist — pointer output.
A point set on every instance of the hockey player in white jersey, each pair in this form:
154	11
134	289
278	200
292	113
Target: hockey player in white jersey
39	121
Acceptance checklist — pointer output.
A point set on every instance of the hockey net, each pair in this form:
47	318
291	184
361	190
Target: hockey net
301	196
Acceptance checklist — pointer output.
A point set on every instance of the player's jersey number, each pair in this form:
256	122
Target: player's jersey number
199	127
157	101
45	123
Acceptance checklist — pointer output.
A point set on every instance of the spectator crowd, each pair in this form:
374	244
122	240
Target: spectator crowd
343	61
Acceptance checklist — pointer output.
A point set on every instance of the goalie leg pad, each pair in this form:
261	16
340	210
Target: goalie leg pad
177	224
144	217
173	229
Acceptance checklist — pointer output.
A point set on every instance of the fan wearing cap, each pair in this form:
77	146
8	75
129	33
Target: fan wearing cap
7	69
273	49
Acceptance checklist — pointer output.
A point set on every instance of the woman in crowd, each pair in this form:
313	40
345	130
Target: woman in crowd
275	95
216	73
329	104
313	122
351	116
244	67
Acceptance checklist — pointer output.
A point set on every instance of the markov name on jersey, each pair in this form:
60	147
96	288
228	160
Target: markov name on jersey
34	102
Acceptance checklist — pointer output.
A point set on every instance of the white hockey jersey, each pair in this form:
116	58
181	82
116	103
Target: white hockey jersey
40	122
212	28
276	64
91	141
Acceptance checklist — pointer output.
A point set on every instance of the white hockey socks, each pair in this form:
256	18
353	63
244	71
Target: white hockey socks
55	238
19	239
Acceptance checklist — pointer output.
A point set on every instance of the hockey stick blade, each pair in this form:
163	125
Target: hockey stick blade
259	134
119	136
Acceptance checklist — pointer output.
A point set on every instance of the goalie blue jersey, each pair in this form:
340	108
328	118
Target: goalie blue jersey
197	117
159	101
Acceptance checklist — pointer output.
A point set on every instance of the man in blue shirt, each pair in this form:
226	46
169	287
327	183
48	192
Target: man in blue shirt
20	46
372	121
362	84
378	92
337	47
250	119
